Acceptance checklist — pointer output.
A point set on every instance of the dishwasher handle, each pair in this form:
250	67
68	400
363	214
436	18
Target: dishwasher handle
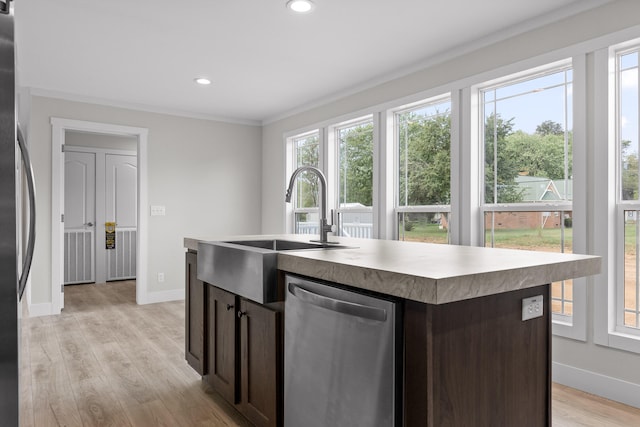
340	306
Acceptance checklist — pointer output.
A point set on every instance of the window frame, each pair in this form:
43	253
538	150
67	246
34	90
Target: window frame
604	181
397	209
574	326
294	140
619	327
333	171
466	219
291	209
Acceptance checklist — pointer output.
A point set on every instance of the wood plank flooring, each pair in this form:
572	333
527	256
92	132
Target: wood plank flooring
106	361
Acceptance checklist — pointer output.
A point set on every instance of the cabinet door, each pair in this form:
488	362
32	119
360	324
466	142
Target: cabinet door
222	343
261	364
195	297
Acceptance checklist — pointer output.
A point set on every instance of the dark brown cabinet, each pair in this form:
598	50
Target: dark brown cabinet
261	353
222	343
237	346
195	297
244	355
476	363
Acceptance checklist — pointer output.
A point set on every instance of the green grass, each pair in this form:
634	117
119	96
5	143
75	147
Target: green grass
533	239
426	232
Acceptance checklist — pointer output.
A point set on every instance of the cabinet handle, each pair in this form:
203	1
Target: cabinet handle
241	313
229	307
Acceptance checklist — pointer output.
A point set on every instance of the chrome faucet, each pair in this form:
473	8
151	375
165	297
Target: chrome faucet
324	226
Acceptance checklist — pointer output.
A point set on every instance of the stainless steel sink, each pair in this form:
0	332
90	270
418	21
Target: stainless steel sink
249	267
285	245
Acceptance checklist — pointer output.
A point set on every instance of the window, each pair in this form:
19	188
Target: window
306	152
627	137
423	150
526	136
354	146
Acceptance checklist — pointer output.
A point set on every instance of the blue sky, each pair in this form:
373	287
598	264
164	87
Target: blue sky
629	106
532	102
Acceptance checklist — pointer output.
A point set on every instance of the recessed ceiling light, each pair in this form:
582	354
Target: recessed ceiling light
202	81
300	6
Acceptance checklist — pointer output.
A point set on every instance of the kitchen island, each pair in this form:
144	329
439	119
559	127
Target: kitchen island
468	356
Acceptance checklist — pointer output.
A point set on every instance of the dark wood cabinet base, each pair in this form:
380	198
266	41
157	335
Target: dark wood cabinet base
476	363
222	343
195	301
237	346
261	336
468	363
244	356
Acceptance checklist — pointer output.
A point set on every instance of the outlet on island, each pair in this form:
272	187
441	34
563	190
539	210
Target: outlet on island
160	277
532	307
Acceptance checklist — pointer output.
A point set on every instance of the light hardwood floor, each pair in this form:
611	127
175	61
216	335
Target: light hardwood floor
106	361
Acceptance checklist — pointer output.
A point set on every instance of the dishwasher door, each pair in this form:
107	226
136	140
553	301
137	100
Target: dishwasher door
341	357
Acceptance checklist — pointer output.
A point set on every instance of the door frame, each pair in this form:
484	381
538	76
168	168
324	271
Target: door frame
59	126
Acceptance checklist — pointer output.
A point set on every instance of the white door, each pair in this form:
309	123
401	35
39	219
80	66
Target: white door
80	217
121	203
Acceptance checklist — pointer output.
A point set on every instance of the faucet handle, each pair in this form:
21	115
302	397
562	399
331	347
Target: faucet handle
332	227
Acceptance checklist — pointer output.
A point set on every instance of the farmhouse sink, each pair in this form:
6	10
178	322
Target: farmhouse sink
249	267
285	245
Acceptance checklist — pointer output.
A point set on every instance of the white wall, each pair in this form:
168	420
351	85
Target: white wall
207	174
585	365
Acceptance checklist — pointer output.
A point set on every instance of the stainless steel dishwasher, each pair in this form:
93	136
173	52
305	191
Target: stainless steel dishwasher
342	357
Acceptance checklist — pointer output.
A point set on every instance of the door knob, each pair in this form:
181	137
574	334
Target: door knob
89	224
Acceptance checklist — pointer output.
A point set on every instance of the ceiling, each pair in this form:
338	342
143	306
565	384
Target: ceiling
264	61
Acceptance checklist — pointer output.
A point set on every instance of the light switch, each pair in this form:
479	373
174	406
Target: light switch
157	210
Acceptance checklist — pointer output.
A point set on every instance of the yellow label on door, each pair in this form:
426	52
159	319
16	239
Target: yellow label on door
110	235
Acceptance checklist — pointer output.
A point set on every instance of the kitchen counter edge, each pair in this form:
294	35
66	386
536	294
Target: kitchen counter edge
424	272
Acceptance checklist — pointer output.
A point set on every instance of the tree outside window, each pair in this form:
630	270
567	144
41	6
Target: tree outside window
355	179
423	136
528	147
306	153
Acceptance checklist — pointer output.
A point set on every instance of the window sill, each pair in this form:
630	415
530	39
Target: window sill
568	329
623	341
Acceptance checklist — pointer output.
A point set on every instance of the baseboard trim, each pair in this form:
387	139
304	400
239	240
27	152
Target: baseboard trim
46	309
162	296
598	384
38	310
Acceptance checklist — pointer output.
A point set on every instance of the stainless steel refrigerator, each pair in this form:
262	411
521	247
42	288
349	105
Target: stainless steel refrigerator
15	257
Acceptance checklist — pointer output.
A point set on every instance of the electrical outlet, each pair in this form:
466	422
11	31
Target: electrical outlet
160	277
532	307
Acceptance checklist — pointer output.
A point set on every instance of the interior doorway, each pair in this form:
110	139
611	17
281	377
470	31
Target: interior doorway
100	207
61	128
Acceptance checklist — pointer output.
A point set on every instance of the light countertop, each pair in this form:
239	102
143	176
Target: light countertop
430	273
